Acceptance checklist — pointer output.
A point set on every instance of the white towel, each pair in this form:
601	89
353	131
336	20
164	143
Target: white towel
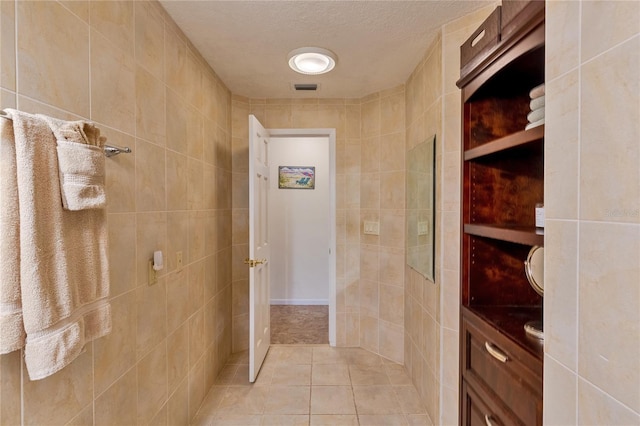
535	115
12	334
80	163
537	103
64	276
537	91
534	124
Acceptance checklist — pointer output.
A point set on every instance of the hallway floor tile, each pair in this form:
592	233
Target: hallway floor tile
313	385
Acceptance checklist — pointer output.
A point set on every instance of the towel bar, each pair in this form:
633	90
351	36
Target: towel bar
109	150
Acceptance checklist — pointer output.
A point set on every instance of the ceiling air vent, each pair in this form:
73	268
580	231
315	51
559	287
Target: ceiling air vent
307	87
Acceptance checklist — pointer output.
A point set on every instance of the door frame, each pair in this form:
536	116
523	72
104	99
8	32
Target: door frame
331	135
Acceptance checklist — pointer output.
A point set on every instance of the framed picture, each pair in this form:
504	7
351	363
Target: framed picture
296	177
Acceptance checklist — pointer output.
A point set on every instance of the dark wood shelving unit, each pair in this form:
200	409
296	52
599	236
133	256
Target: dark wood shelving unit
526	235
503	181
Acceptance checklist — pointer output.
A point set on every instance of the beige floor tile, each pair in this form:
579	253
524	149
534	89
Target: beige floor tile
397	374
329	355
332	400
241	378
226	375
292	375
419	420
382	420
285	420
265	375
330	374
334	420
368	375
292	354
288	400
358	356
243	399
229	419
376	400
410	400
212	400
239	358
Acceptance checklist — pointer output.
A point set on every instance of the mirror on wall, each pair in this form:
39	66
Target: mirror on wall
420	207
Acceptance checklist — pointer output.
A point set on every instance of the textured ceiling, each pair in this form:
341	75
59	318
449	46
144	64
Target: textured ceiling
378	43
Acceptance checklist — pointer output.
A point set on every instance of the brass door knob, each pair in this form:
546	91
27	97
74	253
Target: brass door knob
254	262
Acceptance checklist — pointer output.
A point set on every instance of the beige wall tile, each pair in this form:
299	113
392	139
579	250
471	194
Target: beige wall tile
149	38
178	360
176	130
194	75
370	191
559	394
392	304
598	34
175	51
177	299
122	249
178	406
59	398
391	341
112	104
196	342
152	383
151	235
561	292
114	20
370	118
151	308
8	47
370	155
392	155
562	31
562	174
595	407
10	375
392	113
116	352
392	228
118	405
150	107
369	333
610	153
392	190
42	75
609	257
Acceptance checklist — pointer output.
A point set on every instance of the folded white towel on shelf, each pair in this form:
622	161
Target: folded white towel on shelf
534	124
537	103
535	115
537	91
63	270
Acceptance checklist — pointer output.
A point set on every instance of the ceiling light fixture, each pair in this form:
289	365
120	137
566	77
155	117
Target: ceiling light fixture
312	60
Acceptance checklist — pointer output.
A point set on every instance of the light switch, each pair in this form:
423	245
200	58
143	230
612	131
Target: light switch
371	228
423	228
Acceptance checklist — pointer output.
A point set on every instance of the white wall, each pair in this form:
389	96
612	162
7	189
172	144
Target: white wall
299	224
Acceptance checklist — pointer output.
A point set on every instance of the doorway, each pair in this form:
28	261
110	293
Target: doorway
302	236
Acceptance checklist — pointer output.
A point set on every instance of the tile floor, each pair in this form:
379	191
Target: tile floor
313	385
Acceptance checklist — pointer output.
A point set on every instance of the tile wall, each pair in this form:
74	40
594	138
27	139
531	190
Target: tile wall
592	205
127	67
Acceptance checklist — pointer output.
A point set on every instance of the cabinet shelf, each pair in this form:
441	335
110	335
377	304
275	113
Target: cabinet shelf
527	235
517	140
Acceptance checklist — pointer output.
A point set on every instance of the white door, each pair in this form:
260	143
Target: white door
258	261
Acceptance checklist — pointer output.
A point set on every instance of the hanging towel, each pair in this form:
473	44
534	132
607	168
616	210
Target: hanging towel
80	162
12	334
64	275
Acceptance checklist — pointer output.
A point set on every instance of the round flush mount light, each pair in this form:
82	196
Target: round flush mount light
312	60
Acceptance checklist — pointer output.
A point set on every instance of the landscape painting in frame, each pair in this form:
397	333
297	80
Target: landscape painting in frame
296	177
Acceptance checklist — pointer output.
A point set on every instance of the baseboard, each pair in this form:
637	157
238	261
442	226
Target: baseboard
299	301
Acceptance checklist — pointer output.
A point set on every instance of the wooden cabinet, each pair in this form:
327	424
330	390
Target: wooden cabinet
503	180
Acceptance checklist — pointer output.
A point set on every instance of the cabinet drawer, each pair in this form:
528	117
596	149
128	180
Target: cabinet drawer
477	411
495	365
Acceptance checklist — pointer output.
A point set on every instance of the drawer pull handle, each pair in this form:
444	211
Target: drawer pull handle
497	354
487	420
